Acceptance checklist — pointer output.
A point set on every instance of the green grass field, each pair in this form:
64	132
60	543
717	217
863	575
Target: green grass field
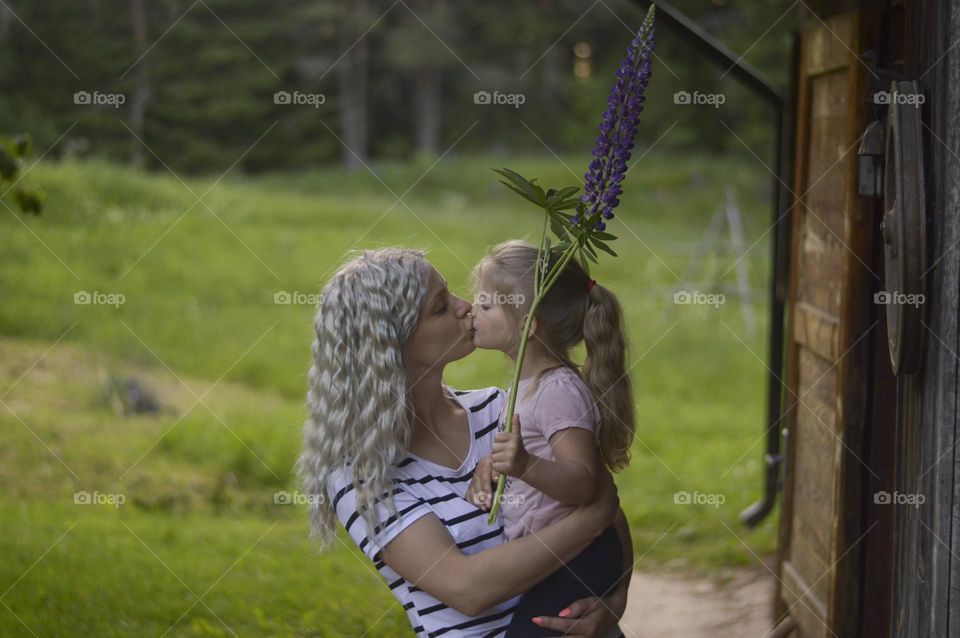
198	547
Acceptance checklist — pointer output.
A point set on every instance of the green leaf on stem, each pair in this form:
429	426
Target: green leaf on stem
525	187
602	246
604	236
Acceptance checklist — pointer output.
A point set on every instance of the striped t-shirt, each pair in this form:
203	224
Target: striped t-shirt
422	487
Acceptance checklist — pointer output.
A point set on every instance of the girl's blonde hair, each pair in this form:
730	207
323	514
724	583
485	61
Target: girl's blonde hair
358	407
569	314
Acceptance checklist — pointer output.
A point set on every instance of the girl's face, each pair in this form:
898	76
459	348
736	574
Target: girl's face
444	331
493	327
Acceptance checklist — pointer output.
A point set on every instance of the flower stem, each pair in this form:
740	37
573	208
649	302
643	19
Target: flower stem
540	250
511	404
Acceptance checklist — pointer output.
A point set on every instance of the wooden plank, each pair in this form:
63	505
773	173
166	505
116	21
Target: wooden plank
787	509
910	580
813	497
826	317
808	556
845	604
829	130
881	455
817	387
808	611
815	454
784	527
944	392
826	51
931	534
816	330
822	257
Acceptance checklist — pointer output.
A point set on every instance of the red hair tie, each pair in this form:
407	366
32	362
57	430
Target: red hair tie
591	284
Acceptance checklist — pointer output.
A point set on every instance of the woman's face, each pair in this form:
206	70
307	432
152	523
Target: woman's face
444	331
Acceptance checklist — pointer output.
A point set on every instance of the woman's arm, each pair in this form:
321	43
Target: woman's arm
426	555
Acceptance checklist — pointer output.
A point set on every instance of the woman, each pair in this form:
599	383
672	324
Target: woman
389	450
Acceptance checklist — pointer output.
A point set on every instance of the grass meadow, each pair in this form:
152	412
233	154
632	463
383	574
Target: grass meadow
198	547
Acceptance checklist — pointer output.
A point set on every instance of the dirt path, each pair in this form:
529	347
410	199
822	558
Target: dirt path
685	607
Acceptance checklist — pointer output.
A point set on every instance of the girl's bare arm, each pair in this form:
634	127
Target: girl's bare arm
571	477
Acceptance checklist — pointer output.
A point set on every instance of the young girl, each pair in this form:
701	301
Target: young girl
569	422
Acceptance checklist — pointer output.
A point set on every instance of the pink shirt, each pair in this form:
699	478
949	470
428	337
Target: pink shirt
562	400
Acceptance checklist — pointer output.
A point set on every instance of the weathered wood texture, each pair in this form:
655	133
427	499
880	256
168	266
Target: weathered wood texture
926	567
828	351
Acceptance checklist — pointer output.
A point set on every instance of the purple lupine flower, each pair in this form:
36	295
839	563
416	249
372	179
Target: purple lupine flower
618	128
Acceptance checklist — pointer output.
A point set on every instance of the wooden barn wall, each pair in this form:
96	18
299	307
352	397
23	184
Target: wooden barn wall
927	586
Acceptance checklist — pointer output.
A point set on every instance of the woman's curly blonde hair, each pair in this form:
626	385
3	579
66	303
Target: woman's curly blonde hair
357	402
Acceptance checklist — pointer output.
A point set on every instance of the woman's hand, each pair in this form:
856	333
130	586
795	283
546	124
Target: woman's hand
590	617
509	455
483	484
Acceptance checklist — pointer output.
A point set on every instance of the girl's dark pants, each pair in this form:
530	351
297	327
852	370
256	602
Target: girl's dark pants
594	572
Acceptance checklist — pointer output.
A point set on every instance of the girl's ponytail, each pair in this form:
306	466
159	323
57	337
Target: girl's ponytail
605	373
575	309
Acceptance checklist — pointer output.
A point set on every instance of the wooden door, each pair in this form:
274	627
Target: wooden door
827	349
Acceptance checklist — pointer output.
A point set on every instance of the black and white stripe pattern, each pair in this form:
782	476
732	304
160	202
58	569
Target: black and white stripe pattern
422	488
